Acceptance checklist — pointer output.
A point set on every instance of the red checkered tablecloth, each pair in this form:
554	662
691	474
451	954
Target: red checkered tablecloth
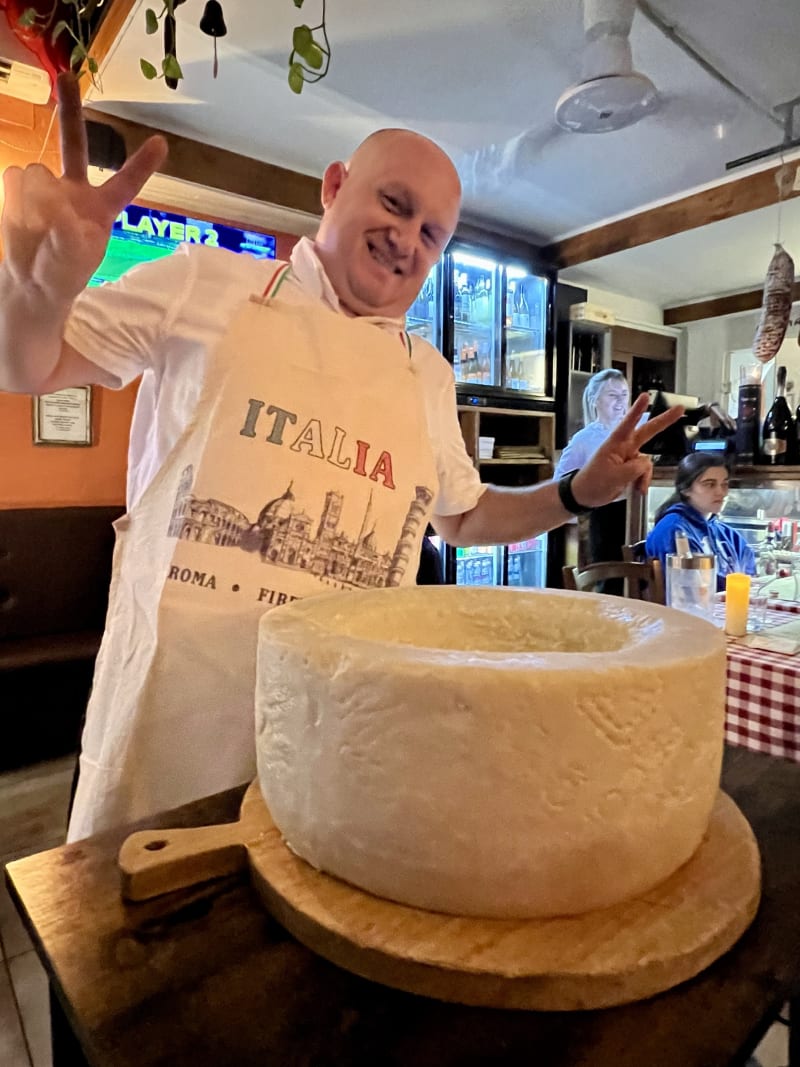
763	696
785	605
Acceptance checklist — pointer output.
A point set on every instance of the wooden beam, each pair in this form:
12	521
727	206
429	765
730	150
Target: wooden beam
711	205
193	161
116	14
720	305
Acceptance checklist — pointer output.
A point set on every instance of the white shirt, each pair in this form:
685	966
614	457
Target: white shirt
162	320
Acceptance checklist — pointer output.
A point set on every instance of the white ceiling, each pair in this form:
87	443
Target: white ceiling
481	77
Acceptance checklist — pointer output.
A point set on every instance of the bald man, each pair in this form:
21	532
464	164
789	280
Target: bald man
289	438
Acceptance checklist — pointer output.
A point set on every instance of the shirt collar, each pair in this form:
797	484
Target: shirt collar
313	280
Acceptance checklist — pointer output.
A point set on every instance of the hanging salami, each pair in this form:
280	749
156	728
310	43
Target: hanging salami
776	305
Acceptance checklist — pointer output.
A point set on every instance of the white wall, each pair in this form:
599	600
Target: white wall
706	347
627	308
702	347
708	343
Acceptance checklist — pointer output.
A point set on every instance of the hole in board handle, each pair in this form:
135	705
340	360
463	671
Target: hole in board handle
156	846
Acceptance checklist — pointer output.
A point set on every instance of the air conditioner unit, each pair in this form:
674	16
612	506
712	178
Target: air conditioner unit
24	81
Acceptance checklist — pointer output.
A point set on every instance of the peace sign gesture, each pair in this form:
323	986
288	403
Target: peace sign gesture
55	230
618	462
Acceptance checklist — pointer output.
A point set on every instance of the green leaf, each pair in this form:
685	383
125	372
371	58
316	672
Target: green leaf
27	18
59	28
314	56
77	55
150	21
171	67
148	69
302	40
298	3
92	64
296	78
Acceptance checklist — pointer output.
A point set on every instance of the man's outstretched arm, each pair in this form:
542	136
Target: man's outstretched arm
506	515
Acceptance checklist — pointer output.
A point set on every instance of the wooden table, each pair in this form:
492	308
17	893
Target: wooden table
205	978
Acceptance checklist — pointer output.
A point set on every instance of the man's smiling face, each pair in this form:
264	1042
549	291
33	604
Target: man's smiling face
388	215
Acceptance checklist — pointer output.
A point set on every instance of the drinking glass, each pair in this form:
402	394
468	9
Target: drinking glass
757	604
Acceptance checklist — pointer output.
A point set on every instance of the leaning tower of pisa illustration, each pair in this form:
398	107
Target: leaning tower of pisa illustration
182	495
405	547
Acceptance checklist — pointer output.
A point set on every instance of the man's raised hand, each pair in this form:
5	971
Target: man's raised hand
56	230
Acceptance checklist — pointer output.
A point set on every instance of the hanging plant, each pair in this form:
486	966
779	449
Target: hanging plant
310	57
66	28
56	31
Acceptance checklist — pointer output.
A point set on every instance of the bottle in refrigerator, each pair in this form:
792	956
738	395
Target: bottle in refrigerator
514	372
509	303
482	300
514	569
484	365
457	310
475	370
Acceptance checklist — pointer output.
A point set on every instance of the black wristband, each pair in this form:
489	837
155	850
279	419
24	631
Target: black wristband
565	495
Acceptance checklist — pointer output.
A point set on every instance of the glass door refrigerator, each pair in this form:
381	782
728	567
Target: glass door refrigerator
523	564
475	344
527	368
497	329
424	317
526	563
491	314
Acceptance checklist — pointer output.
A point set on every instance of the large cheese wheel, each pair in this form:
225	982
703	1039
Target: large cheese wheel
490	752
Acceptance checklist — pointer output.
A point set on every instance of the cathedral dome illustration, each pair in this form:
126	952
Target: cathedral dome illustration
278	509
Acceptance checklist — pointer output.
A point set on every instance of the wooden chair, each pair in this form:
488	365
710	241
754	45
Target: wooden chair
644	581
634	553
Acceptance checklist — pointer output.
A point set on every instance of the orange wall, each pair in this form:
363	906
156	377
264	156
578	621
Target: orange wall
54	476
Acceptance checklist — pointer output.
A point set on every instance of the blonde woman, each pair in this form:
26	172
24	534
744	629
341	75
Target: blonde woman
606	399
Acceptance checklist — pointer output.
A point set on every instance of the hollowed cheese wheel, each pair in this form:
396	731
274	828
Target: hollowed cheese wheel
490	752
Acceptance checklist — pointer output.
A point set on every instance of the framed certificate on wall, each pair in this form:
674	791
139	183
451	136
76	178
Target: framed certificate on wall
63	418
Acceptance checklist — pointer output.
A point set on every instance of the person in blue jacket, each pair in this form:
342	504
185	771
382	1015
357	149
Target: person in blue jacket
701	485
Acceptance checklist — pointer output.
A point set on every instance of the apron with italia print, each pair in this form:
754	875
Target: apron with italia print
305	468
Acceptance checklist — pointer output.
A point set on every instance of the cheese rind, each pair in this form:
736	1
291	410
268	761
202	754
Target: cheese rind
491	752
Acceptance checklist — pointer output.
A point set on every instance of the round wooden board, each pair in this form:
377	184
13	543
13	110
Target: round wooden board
599	959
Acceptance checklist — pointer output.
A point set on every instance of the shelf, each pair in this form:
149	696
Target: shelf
512	412
485	327
522	331
534	461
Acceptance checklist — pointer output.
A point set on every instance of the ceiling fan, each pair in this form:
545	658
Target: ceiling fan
610	93
609	96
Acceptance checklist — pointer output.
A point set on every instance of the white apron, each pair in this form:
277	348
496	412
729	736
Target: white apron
306	468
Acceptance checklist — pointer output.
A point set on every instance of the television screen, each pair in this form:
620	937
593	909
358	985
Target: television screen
140	234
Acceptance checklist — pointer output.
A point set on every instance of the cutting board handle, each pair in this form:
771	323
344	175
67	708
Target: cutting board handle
152	862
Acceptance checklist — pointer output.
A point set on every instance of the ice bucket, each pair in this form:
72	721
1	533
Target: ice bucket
692	583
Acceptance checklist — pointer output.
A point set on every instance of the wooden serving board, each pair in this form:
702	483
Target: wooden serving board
602	958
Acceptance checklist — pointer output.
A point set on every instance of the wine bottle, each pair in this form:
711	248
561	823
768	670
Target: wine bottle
778	436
